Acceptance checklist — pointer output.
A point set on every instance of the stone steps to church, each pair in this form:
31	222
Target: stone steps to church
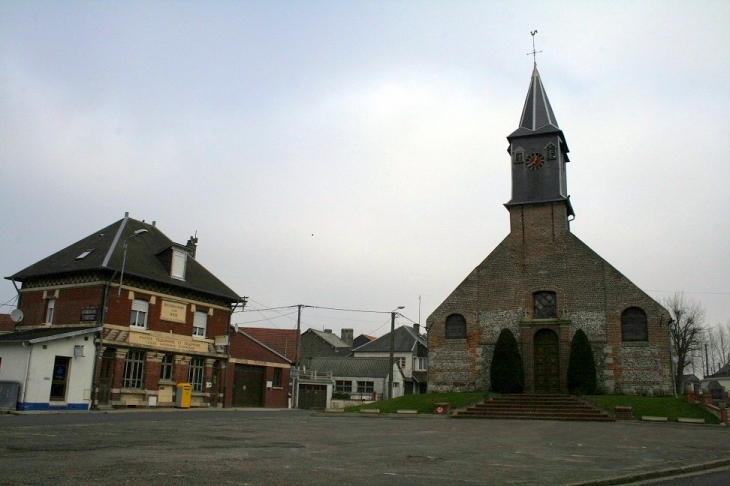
535	407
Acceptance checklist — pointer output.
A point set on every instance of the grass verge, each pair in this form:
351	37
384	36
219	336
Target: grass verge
669	407
422	403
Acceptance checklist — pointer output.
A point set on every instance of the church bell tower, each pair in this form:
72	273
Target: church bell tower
539	154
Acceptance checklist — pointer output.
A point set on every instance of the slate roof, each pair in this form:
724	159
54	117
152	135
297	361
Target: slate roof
354	367
420	376
330	339
538	117
721	373
45	334
404	337
106	248
283	341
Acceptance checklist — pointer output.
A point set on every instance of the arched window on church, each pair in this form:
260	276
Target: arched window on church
545	305
633	325
455	327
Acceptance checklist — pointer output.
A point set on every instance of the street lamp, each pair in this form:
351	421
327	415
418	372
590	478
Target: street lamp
392	349
140	231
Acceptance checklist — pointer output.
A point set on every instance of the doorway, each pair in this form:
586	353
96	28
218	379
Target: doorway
248	386
106	376
547	362
59	379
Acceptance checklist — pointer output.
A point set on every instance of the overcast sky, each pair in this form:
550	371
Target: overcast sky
352	154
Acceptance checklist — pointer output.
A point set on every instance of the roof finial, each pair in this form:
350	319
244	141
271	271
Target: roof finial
534	52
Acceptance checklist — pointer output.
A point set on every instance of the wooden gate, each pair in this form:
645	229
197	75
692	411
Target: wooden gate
312	397
547	362
248	386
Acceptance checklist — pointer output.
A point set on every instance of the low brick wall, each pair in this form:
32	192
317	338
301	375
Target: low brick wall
623	413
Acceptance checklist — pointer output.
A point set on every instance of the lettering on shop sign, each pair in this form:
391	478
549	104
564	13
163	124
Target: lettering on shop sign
173	311
167	342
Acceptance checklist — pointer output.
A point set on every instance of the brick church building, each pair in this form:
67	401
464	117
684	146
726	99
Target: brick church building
543	283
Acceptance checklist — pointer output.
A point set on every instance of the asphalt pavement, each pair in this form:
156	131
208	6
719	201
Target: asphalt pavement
292	447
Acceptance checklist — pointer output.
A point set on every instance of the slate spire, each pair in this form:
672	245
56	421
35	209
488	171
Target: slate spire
537	112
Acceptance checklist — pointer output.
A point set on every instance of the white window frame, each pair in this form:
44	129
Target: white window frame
200	324
179	262
139	308
50	307
134	369
420	363
343	386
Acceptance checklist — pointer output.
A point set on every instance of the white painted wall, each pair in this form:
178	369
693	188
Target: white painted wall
37	388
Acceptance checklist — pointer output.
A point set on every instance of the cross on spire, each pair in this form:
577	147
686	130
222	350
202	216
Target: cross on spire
534	52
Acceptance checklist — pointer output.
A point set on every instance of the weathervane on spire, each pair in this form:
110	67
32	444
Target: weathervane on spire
534	52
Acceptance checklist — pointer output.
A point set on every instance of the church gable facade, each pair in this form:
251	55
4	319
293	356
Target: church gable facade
543	284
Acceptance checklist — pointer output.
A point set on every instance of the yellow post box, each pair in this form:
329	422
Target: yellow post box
184	395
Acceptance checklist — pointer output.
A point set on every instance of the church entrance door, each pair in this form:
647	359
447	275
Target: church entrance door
547	362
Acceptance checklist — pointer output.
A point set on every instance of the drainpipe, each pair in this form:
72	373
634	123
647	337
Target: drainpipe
27	369
97	347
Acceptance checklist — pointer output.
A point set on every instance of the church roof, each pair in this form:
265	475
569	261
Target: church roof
537	114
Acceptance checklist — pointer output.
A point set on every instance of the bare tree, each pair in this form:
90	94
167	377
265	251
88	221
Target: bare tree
716	347
686	331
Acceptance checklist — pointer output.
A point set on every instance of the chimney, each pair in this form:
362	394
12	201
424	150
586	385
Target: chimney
192	245
417	328
347	336
328	330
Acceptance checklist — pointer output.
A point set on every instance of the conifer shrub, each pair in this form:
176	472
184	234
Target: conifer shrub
581	366
506	371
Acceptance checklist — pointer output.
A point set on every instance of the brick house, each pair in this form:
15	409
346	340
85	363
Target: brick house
163	318
543	283
258	374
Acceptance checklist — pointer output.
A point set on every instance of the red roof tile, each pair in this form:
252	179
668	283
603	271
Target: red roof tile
283	341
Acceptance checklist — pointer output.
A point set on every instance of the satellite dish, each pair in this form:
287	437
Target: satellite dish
16	315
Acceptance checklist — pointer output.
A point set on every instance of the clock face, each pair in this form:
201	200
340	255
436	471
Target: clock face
534	161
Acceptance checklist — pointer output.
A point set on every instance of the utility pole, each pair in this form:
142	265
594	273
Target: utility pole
392	351
295	381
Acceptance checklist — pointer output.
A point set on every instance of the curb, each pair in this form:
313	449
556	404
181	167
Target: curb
144	410
661	473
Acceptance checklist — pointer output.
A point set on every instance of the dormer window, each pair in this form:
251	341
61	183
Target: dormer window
551	152
179	260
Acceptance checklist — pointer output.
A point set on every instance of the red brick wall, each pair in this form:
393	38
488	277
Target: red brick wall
244	348
68	305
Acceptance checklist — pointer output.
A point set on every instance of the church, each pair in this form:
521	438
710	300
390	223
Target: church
544	284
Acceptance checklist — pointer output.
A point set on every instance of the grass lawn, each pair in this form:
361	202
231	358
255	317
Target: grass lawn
669	407
422	403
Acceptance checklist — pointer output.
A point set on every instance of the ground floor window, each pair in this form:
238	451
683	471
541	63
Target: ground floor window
133	369
276	382
195	373
166	366
343	386
365	386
